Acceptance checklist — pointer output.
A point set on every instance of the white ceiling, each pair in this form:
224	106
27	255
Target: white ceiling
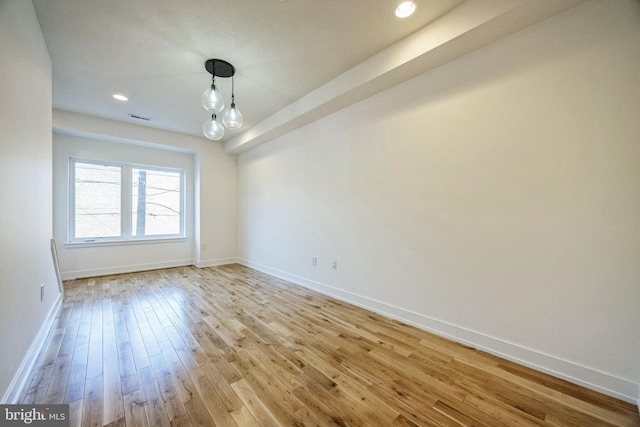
153	51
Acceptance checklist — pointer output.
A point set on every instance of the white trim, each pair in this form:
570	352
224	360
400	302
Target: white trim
99	242
21	377
216	262
95	272
593	379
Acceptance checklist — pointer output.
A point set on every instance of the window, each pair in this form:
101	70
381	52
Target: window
97	200
156	202
112	201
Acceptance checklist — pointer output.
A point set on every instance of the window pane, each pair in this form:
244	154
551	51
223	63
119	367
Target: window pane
97	200
156	202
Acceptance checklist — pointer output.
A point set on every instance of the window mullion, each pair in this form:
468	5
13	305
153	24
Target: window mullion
126	201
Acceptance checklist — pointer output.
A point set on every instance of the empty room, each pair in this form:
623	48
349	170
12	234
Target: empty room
316	213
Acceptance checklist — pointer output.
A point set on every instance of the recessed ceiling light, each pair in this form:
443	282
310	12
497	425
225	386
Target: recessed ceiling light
120	97
405	9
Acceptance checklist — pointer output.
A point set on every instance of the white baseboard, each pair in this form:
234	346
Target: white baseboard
95	272
21	377
593	379
215	262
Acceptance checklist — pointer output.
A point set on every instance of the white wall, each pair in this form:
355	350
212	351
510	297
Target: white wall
495	199
25	194
213	205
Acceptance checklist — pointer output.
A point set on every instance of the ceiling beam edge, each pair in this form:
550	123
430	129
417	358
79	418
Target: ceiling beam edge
469	27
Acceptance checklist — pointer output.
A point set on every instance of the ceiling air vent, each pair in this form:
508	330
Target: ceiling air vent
134	116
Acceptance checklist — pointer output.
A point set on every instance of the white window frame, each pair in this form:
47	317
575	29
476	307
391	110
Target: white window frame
126	205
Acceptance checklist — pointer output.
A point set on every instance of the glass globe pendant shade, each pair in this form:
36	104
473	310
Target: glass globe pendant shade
212	100
232	117
213	129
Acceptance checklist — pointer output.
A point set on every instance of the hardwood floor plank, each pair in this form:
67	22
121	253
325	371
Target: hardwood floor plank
278	359
92	407
191	344
59	379
153	402
127	367
282	403
40	379
243	417
402	421
134	409
71	332
120	422
463	417
500	412
95	357
197	412
77	374
231	346
182	384
255	406
422	415
176	412
181	350
112	384
355	388
315	407
211	400
149	339
138	349
593	408
52	348
75	413
566	388
229	398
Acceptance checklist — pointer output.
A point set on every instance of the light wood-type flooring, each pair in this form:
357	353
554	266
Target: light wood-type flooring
229	346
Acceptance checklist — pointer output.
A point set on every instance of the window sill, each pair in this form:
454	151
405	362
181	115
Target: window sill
106	242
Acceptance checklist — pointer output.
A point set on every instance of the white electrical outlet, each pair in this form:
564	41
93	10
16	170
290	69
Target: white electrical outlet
334	265
314	261
42	292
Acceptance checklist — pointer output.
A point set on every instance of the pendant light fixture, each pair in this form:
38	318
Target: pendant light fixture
213	129
213	101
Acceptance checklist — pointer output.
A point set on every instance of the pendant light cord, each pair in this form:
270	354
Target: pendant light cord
233	99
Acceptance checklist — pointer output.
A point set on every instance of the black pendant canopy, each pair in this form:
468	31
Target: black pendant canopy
219	68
